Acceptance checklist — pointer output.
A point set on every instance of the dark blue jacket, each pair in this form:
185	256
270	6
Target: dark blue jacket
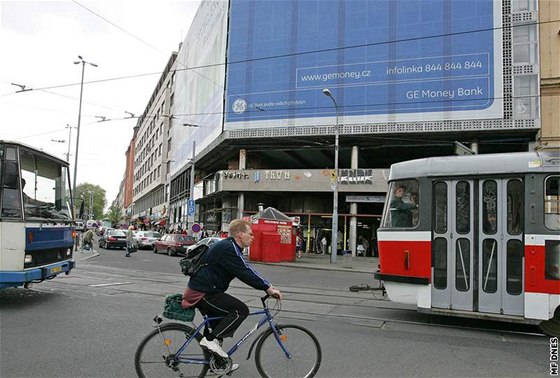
225	262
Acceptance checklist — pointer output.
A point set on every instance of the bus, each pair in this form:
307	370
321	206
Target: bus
475	236
36	225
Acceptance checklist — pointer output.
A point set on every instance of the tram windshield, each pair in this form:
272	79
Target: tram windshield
401	209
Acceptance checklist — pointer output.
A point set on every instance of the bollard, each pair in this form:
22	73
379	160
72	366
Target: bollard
347	260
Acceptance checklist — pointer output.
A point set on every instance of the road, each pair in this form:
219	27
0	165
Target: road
89	323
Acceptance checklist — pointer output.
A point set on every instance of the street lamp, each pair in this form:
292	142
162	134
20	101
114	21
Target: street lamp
79	120
69	140
334	242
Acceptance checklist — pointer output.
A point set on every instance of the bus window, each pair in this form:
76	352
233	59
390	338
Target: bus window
463	210
489	207
440	190
514	207
403	205
463	265
514	269
489	266
440	263
552	259
552	203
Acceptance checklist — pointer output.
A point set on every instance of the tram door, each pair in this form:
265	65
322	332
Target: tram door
453	244
500	245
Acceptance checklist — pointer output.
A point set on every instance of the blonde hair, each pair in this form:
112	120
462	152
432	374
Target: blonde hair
239	225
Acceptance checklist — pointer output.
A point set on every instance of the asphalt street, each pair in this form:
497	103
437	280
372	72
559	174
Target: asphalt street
89	323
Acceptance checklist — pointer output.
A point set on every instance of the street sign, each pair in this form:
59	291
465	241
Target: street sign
190	208
196	227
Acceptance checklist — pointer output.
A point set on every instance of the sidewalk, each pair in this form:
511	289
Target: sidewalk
308	261
357	264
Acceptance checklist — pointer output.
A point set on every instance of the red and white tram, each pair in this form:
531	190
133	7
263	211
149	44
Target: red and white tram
475	236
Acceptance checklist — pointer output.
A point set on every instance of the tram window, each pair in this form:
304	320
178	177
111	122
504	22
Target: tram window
463	207
489	265
514	206
440	263
489	207
552	203
402	209
440	190
514	274
463	265
552	259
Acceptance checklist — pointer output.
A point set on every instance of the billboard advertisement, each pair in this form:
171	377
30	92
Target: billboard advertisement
382	60
199	83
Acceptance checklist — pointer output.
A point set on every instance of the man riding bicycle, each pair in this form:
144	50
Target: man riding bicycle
207	288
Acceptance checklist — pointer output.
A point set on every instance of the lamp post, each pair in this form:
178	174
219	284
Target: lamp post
191	185
83	62
334	238
69	141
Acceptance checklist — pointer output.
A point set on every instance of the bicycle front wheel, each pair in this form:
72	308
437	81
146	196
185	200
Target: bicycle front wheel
156	355
301	358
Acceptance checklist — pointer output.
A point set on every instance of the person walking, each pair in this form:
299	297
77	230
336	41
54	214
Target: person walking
87	241
323	245
129	240
207	288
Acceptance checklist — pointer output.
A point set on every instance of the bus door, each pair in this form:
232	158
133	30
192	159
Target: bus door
452	247
500	246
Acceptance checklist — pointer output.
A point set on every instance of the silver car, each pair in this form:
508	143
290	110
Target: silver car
208	241
145	239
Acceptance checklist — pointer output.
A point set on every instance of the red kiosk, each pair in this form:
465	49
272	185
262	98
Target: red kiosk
275	239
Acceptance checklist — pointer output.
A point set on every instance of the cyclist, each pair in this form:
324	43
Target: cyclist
207	288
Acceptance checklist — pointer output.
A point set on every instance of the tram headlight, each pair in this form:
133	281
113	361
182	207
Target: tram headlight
69	252
28	259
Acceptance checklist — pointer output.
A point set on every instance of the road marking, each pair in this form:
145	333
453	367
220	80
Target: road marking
110	284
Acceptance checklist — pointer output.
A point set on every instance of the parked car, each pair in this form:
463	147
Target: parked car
206	241
173	244
112	238
143	239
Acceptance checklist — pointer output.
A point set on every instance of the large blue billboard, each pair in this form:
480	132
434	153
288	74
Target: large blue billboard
411	60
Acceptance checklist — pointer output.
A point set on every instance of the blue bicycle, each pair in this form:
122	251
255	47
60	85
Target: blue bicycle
173	350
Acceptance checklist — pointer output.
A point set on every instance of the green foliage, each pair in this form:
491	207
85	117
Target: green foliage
87	192
115	215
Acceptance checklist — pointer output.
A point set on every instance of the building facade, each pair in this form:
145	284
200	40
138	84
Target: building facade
250	122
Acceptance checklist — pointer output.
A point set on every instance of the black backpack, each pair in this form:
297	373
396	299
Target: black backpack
193	261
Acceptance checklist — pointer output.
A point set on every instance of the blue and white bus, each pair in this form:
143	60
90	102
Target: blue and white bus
36	224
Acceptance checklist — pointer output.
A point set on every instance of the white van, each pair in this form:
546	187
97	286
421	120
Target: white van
91	224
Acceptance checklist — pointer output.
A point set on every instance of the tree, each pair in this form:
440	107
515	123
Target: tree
87	192
115	215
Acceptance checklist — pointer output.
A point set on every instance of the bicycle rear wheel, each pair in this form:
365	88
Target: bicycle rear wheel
156	355
300	343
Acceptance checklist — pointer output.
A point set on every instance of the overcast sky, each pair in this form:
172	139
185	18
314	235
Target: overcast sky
39	43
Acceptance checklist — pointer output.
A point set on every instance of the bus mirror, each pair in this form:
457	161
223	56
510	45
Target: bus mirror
10	175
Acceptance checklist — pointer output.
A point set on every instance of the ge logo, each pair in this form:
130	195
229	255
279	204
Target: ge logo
239	106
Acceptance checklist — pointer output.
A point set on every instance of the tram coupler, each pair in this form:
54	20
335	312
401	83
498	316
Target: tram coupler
365	287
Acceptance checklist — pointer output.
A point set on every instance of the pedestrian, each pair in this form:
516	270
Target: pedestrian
87	241
207	288
323	245
299	245
129	240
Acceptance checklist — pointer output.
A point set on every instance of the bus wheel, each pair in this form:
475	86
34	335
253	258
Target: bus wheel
551	327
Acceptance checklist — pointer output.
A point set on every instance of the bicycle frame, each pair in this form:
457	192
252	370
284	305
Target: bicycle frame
267	318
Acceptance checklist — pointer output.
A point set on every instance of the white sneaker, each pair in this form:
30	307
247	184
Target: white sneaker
234	367
214	346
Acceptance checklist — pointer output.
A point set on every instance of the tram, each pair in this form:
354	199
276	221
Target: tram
475	236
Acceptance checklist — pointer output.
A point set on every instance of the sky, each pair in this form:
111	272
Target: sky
40	41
